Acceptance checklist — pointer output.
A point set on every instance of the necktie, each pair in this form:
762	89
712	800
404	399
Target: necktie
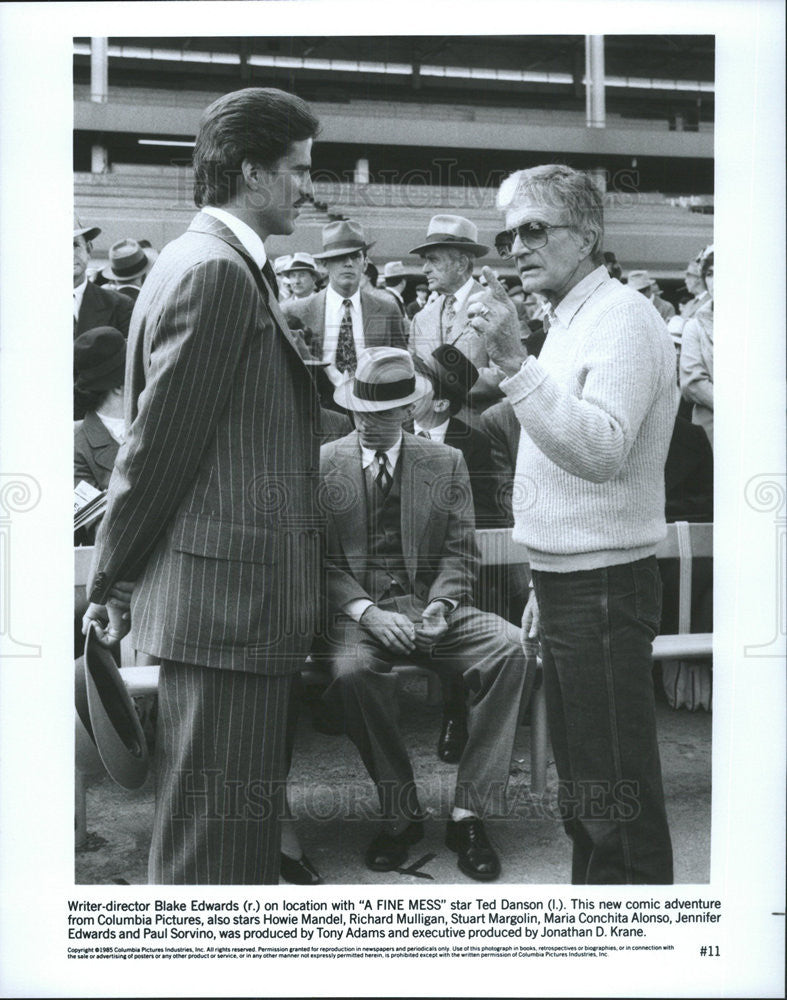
346	358
424	434
383	478
449	315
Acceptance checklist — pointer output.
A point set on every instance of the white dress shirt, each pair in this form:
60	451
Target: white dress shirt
249	240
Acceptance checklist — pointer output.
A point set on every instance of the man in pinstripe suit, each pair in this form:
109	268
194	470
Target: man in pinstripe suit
211	508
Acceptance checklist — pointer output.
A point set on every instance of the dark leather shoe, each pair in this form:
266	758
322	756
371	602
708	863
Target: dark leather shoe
453	738
299	871
388	851
476	856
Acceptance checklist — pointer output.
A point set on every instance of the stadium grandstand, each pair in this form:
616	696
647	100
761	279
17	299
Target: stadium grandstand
412	126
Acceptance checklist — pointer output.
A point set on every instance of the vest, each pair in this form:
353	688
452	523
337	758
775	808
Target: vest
386	574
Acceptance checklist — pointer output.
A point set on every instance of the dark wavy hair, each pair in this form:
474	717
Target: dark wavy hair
258	124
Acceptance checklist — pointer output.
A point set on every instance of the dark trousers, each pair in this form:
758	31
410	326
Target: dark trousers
597	627
221	769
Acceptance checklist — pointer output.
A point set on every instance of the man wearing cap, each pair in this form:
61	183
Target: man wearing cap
401	567
95	306
449	251
212	505
395	278
129	262
302	275
421	295
338	322
597	408
644	284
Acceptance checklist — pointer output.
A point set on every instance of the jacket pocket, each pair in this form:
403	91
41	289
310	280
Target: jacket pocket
208	537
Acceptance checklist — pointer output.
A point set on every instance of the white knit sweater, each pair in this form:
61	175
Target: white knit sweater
597	408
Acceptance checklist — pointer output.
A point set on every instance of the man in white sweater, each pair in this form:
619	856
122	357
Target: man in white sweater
597	408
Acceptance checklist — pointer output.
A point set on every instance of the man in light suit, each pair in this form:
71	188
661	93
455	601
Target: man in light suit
449	250
401	566
95	306
338	322
211	508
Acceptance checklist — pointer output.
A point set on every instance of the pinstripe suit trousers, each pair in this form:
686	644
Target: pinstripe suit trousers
221	776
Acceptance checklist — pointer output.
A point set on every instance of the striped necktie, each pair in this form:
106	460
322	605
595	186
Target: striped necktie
449	315
383	478
346	358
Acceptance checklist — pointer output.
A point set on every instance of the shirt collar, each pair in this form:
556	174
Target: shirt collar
367	455
336	299
573	301
435	433
249	240
462	293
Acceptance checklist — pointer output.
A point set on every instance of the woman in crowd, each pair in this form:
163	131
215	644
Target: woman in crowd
696	356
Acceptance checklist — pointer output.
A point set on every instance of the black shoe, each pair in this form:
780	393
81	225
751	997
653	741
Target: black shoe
299	871
388	851
453	739
476	856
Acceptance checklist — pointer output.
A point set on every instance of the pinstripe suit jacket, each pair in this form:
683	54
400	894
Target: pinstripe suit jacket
212	504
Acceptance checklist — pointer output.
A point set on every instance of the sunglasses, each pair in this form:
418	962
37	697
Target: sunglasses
532	235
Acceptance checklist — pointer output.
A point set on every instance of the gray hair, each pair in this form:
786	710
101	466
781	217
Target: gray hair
557	186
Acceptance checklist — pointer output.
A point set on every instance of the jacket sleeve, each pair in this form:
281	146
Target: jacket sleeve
696	381
457	569
196	349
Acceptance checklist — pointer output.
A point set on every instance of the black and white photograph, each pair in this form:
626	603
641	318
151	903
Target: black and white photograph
419	611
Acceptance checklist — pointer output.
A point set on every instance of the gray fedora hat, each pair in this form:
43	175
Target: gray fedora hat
89	232
342	237
128	260
452	231
107	713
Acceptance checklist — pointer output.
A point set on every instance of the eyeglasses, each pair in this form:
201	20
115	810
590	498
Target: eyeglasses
532	235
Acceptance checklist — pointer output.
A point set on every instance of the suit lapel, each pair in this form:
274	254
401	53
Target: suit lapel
104	446
347	479
460	321
205	223
416	502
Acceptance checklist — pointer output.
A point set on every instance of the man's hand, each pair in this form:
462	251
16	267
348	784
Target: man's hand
530	622
112	620
393	631
434	626
494	317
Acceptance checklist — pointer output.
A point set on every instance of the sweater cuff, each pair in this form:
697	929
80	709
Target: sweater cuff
529	377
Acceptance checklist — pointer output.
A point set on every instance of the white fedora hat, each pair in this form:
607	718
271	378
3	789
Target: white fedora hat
385	377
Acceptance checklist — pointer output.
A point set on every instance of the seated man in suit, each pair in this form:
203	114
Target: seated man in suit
449	252
401	564
338	322
95	306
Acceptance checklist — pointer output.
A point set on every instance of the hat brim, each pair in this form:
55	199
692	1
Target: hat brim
106	711
343	395
90	234
150	259
301	267
343	251
474	249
